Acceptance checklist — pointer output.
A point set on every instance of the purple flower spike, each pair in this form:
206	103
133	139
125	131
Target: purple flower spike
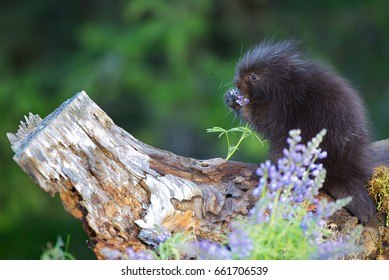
296	177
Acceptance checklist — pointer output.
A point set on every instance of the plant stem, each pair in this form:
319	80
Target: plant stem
236	147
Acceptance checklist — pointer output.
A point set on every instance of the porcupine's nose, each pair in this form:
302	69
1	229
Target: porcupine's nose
231	97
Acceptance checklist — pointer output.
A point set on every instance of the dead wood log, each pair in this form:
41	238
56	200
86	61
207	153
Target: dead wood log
120	187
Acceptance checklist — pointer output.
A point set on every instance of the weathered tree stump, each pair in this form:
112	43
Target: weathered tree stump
120	187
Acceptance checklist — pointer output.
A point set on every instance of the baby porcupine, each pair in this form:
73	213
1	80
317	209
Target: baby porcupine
278	89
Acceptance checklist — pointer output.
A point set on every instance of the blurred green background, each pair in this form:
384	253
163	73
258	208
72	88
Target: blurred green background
159	69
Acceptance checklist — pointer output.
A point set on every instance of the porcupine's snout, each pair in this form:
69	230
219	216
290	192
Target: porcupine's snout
234	100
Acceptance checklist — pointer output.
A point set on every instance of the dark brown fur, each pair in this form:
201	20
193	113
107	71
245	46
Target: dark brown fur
287	91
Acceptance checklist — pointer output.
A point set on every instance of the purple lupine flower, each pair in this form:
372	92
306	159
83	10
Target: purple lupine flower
240	243
111	254
206	250
313	223
258	213
329	250
161	234
142	255
130	254
296	177
333	250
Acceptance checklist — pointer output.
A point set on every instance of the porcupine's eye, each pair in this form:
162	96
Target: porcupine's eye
253	76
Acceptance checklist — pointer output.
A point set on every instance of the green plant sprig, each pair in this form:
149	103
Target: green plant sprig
246	132
57	252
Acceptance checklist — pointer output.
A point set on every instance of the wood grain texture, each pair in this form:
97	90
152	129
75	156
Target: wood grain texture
120	187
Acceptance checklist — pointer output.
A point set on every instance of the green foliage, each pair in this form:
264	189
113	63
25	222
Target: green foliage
244	130
283	239
60	251
171	248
